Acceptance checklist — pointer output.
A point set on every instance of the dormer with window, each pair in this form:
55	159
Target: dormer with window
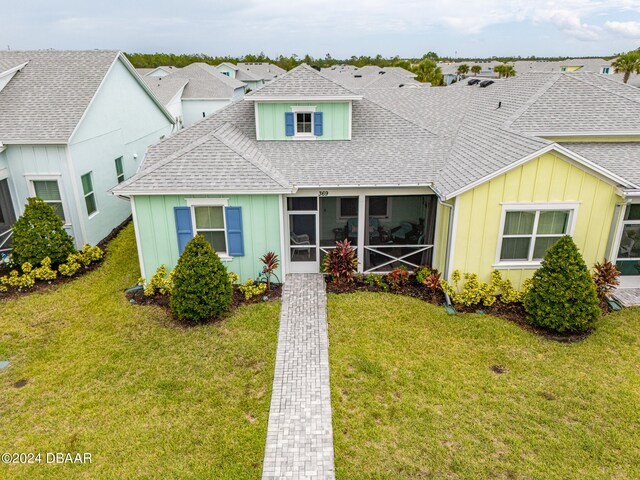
303	105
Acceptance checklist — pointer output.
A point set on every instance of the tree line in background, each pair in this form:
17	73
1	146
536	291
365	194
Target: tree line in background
426	68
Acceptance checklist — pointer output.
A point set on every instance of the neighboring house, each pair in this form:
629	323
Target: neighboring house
266	71
251	80
73	124
372	77
467	178
195	91
158	71
582	65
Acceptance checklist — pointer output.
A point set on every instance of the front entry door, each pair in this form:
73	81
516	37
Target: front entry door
302	216
7	216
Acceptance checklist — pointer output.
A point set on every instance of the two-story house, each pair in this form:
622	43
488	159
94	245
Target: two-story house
469	178
73	124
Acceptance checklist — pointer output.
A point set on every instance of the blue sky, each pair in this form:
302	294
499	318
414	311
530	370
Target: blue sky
408	28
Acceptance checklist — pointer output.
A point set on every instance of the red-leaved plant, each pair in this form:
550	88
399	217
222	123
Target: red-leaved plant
398	277
271	264
605	276
341	262
432	282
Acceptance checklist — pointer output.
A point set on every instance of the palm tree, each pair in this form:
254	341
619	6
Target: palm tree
628	63
505	70
428	71
463	69
476	69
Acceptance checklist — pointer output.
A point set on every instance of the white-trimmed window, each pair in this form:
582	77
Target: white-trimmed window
119	170
49	191
208	219
527	231
380	207
89	194
303	120
347	207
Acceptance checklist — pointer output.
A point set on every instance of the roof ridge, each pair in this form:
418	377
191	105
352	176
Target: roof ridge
265	166
531	100
365	97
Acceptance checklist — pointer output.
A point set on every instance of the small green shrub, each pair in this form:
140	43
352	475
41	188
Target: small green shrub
233	277
39	233
14	279
251	289
422	273
562	296
201	286
77	260
474	292
374	280
160	283
44	271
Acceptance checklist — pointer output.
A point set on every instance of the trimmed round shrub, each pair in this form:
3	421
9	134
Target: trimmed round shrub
201	285
40	233
562	296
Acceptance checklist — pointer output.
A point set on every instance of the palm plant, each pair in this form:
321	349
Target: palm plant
476	69
428	71
505	70
463	69
628	63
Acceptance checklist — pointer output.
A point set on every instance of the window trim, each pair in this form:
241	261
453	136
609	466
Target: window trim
571	207
211	202
55	177
118	175
92	192
303	109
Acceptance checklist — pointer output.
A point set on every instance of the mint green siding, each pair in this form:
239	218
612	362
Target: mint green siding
156	230
335	120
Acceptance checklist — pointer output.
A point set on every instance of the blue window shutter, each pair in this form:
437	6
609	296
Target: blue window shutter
183	226
289	130
317	124
235	239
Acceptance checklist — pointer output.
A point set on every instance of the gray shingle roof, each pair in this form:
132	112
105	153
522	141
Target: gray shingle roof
302	81
445	137
165	88
45	101
623	158
265	71
205	81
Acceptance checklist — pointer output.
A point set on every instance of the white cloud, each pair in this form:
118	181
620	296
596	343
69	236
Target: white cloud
626	29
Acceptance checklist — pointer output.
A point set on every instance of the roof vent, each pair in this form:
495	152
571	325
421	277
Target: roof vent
357	76
485	83
381	72
401	85
315	67
473	81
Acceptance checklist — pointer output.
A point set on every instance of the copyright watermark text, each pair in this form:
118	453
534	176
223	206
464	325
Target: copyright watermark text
46	457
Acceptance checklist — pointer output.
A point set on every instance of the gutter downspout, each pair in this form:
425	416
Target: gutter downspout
448	249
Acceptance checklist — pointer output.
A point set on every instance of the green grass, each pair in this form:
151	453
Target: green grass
413	395
147	398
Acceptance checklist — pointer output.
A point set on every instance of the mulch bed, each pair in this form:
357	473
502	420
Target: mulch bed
43	286
514	312
138	297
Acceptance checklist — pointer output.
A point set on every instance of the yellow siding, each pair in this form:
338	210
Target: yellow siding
545	179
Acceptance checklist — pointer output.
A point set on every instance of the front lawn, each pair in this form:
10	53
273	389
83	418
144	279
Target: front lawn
417	394
146	397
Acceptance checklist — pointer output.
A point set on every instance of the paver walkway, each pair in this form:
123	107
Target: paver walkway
299	435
